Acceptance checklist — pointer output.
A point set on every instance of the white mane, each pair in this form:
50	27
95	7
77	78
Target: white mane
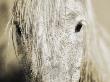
98	45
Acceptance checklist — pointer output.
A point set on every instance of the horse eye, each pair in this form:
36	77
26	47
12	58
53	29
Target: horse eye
18	30
78	27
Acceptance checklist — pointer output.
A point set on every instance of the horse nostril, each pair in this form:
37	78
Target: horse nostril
78	27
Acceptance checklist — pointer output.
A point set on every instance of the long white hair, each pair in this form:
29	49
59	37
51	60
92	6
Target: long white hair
97	49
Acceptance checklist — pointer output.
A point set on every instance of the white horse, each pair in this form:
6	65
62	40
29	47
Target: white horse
58	41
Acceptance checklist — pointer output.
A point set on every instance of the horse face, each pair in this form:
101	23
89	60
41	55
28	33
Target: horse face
50	38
